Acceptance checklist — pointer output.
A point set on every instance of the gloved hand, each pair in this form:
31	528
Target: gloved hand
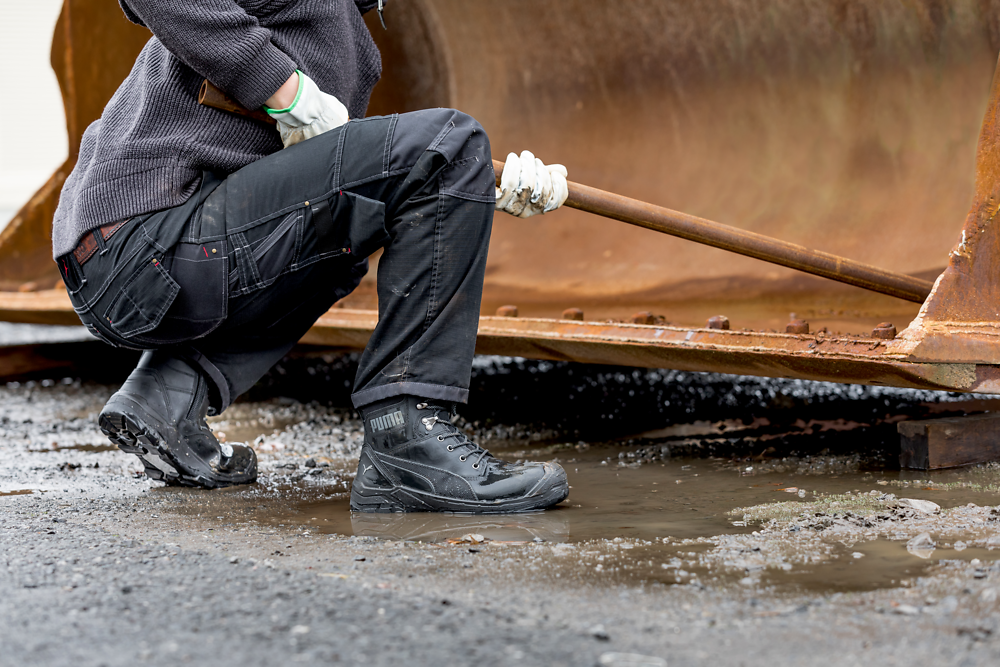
312	113
529	187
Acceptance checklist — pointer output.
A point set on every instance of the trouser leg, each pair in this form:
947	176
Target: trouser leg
432	174
430	283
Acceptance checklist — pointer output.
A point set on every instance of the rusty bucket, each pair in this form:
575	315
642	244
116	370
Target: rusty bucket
853	127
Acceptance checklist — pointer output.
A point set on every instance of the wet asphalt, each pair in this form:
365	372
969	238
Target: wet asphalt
101	566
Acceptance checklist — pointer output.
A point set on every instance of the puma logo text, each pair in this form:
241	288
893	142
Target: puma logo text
386	422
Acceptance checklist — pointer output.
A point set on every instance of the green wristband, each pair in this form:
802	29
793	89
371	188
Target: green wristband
298	94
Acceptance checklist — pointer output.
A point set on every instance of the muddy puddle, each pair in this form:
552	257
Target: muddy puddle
695	521
794	493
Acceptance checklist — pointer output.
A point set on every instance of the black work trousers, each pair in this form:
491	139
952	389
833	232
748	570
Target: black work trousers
232	279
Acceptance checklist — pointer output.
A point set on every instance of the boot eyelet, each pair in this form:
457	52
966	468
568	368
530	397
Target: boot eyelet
421	406
462	458
450	448
476	466
440	438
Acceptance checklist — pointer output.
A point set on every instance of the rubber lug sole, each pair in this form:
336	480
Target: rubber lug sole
133	437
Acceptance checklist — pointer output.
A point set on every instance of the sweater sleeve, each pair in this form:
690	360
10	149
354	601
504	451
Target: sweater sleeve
365	6
129	14
220	41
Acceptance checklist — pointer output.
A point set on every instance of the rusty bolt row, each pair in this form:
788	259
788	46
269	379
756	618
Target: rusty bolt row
884	331
568	314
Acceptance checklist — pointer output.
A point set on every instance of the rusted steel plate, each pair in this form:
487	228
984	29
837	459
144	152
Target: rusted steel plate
849	127
807	357
845	359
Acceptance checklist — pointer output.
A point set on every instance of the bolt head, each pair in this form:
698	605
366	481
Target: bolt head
797	327
884	331
507	311
718	322
573	314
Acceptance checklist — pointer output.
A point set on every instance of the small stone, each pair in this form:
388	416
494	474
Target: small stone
360	559
310	463
629	660
300	630
906	610
925	506
988	595
598	632
234	560
858	554
921	546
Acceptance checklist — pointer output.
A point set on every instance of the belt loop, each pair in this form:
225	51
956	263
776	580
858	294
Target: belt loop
102	245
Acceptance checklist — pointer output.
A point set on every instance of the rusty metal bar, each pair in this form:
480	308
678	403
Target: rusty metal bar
692	228
751	244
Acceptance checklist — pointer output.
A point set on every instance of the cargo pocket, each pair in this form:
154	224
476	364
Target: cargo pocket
349	223
279	250
141	303
199	270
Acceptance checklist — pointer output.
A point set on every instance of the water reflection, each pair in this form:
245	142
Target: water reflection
552	526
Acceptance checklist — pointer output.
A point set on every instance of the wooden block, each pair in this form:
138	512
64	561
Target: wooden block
949	442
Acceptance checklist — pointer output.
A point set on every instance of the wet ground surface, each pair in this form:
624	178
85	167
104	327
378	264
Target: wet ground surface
737	520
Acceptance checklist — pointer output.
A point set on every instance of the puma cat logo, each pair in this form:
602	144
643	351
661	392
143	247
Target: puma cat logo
386	422
367	468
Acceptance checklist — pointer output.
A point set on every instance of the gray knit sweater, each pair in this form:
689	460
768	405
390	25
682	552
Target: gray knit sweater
153	141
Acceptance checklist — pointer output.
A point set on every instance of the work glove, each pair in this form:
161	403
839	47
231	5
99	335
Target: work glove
312	113
529	187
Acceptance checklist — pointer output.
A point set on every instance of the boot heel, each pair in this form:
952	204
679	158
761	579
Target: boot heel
375	503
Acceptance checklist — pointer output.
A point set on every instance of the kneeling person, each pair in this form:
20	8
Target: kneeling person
213	242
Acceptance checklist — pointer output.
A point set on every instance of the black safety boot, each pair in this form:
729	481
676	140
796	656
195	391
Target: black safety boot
415	460
159	415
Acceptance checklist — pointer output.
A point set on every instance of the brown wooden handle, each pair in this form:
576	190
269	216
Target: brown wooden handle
211	96
740	241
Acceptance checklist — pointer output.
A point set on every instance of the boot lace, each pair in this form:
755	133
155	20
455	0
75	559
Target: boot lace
460	439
